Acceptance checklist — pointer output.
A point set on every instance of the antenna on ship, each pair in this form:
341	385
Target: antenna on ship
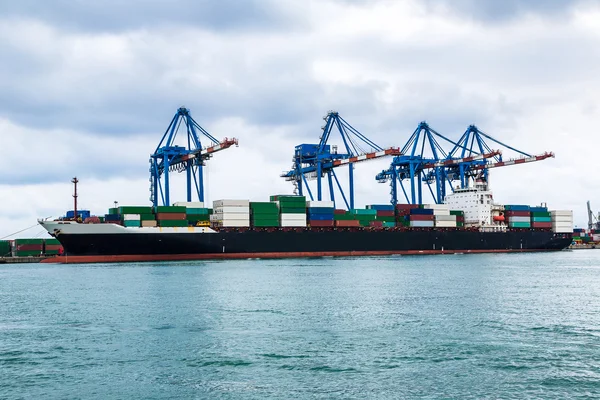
75	181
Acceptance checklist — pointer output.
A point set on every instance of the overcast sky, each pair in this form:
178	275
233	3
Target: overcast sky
88	90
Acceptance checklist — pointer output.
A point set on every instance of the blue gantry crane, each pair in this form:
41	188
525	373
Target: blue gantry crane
424	161
169	157
315	161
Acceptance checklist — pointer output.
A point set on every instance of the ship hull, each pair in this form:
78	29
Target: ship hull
91	247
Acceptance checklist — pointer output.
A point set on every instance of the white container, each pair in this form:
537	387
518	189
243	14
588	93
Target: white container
323	203
230	217
519	219
562	230
231	210
445	224
421	224
562	212
445	218
189	204
131	217
562	218
292	217
290	224
231	203
437	206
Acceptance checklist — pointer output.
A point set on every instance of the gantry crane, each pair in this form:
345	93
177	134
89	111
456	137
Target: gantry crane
470	157
169	157
314	161
592	217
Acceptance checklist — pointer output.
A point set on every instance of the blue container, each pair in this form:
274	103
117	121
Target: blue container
516	207
320	210
320	217
539	209
112	217
83	214
421	211
381	207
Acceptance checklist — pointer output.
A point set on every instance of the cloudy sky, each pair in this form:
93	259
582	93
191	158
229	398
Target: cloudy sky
88	90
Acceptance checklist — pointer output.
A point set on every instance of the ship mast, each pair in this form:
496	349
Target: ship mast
75	181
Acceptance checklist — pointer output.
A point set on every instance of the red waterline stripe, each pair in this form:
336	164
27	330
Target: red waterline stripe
229	256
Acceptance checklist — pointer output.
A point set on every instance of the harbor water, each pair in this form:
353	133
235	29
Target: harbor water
454	326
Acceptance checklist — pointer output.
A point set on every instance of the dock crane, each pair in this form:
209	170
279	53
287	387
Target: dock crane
592	217
469	158
315	161
169	157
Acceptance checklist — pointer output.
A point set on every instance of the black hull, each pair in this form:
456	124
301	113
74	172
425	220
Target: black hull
307	242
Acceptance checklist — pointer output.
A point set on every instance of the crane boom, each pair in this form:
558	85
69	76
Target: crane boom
515	161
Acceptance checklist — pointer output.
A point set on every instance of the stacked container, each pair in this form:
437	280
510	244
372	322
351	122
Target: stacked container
320	214
540	218
28	247
421	218
518	216
403	214
52	247
292	210
344	219
364	216
562	221
264	214
231	214
460	217
133	216
441	215
83	214
171	216
196	214
385	216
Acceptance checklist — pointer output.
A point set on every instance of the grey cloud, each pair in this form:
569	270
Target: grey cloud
115	15
504	10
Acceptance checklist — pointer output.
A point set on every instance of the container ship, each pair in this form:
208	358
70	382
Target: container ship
291	226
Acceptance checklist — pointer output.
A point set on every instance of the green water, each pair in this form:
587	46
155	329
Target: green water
455	326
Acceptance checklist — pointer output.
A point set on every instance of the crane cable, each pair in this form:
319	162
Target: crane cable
22	230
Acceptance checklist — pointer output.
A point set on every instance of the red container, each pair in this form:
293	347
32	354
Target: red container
91	220
541	224
406	206
170	216
53	247
517	213
339	212
320	224
30	247
422	217
376	224
460	218
385	213
352	223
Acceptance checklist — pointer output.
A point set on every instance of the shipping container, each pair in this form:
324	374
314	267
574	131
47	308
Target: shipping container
321	223
323	203
347	223
380	207
421	224
132	223
170	216
422	217
421	211
133	210
231	203
171	223
149	224
189	204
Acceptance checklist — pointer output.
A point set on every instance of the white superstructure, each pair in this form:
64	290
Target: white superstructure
475	201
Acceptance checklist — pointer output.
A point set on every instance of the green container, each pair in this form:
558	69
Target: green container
460	224
363	217
147	217
101	219
134	210
170	209
51	252
576	237
386	219
172	223
387	224
541	219
343	217
4	248
263	206
27	253
457	212
365	223
196	211
52	242
519	224
29	241
292	210
540	214
287	198
361	211
132	224
265	223
113	211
